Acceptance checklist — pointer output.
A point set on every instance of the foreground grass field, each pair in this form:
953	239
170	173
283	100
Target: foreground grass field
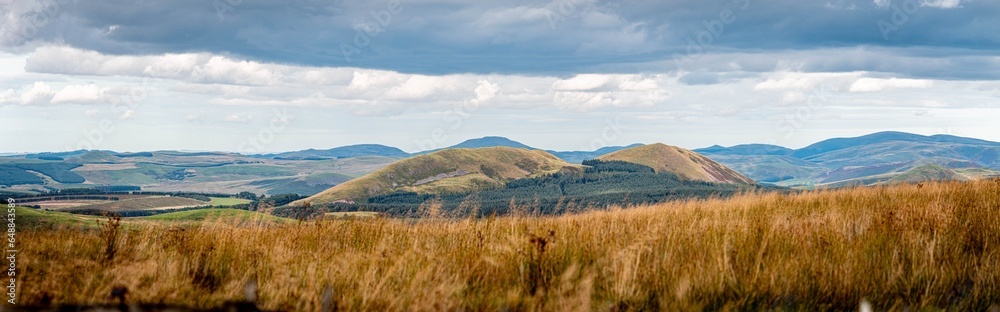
904	246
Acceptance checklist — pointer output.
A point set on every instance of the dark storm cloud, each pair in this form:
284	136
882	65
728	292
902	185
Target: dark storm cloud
539	37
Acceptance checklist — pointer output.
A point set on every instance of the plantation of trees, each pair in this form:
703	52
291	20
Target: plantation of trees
10	175
56	170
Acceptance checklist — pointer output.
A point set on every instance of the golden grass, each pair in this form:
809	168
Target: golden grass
898	247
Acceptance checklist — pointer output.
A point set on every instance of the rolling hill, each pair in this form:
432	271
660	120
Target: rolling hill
834	144
444	171
577	157
491	141
870	158
175	171
867	159
574	157
747	149
682	162
928	172
341	152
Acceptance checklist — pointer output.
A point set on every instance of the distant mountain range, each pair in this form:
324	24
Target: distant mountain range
341	152
882	157
868	159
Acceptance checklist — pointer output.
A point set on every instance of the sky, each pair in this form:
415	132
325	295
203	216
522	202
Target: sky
264	76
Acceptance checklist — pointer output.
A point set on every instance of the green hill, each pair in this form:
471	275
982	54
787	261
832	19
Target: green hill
445	171
215	214
929	172
342	152
35	218
684	163
598	185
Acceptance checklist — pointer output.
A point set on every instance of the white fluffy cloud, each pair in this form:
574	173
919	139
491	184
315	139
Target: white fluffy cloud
193	67
43	93
879	84
583	82
794	80
942	4
591	91
89	93
231	81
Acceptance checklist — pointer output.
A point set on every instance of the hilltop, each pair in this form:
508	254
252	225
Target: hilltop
679	161
341	152
445	171
501	180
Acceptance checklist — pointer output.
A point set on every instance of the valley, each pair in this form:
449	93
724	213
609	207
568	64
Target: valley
490	175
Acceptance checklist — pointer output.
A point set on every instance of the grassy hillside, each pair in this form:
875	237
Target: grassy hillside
184	172
450	170
601	184
214	214
929	172
227	201
899	247
679	161
978	173
30	218
769	168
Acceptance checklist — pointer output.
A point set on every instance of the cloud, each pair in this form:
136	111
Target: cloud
548	38
583	82
485	91
199	67
941	4
586	92
793	80
42	93
79	94
879	84
127	114
418	87
238	117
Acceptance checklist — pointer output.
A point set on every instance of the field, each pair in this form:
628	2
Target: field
145	203
215	214
227	201
935	246
41	219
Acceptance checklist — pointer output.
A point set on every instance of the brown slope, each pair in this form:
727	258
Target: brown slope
449	170
682	162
